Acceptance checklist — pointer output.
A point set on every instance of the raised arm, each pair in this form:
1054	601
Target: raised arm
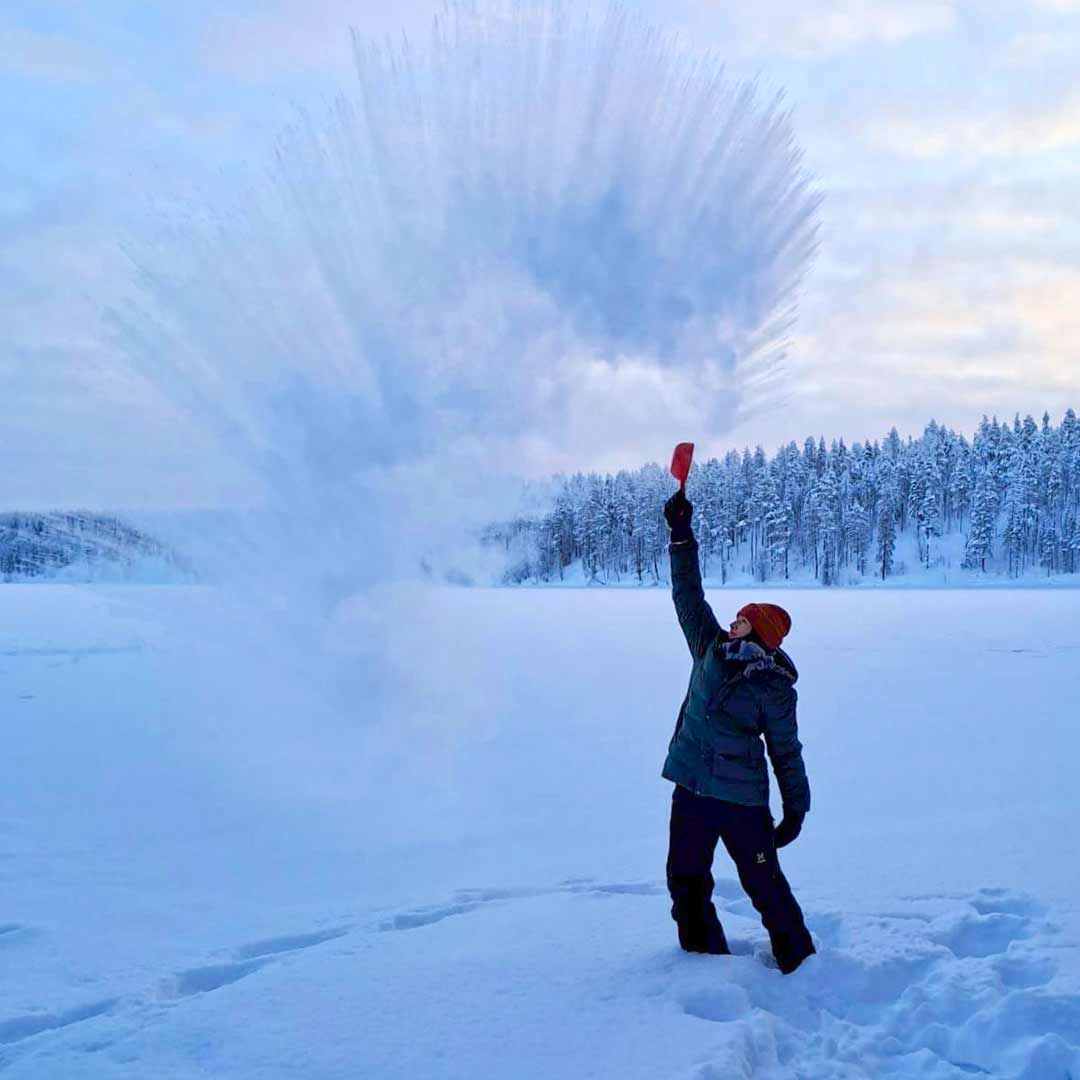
699	624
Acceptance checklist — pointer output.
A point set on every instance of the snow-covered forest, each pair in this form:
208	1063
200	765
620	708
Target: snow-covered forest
1005	502
79	546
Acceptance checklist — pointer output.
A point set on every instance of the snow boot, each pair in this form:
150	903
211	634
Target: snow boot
703	936
788	959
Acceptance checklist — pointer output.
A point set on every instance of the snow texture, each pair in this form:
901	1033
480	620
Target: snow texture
205	876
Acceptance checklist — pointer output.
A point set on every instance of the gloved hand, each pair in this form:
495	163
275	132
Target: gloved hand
678	511
790	826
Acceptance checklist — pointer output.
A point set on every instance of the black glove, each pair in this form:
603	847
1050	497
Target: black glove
678	511
790	826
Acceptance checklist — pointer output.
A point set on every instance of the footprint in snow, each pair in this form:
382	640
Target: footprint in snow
829	928
287	943
721	1004
629	888
25	1027
16	935
1008	902
247	959
467	900
203	980
1022	972
970	934
485	896
428	916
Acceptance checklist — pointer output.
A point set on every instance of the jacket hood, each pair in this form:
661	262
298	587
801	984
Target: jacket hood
784	661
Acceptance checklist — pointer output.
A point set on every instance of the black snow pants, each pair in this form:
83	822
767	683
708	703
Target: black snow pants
697	823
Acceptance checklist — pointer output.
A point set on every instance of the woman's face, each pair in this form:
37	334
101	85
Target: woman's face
740	627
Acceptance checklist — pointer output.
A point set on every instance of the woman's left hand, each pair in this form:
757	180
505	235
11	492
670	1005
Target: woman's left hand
789	828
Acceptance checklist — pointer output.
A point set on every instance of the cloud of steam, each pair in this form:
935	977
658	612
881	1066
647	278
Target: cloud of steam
407	301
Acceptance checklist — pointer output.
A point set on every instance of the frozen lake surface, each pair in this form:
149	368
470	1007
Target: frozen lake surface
203	872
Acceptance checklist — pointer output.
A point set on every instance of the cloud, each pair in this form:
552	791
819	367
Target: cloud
944	337
1019	132
1058	6
963	218
811	32
943	301
1036	48
292	38
28	54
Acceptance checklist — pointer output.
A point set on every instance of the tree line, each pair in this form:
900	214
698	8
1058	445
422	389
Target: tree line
1006	501
45	545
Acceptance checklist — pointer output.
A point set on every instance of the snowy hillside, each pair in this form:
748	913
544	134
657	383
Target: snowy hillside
81	547
207	872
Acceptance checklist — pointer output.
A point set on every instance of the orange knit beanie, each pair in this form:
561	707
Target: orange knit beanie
771	623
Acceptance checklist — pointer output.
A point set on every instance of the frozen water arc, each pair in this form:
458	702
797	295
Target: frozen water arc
624	177
426	263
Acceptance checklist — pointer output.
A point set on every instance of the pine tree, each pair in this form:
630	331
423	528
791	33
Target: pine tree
857	529
777	527
1016	508
826	506
924	500
980	542
886	549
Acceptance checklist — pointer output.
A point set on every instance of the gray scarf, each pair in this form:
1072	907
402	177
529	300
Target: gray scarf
747	656
742	658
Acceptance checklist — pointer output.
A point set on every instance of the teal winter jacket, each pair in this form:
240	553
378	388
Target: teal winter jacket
717	749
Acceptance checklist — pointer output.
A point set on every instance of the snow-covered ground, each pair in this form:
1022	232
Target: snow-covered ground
208	868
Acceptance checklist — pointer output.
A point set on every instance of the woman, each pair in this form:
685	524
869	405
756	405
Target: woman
742	689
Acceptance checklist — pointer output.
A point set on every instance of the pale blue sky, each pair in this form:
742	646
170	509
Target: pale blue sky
946	136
